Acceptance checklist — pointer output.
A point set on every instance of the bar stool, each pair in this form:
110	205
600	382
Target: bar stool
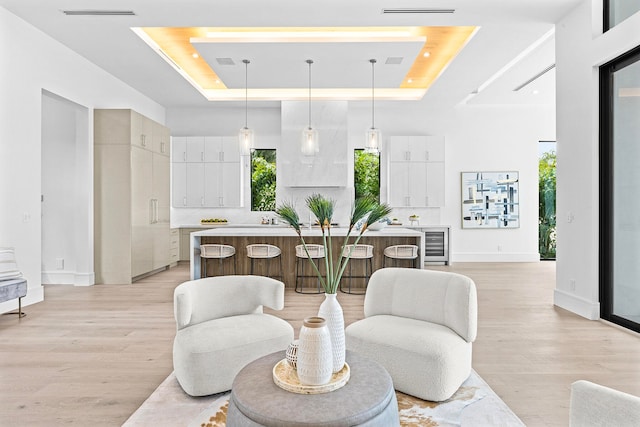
316	252
217	251
358	252
266	252
401	252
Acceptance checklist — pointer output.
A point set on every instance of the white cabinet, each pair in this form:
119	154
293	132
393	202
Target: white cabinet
222	184
211	176
131	195
416	149
178	149
416	171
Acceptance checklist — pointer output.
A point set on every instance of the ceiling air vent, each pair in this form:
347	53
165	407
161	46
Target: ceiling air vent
225	61
99	12
417	10
394	60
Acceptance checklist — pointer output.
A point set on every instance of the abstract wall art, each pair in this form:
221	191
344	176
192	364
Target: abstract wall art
490	200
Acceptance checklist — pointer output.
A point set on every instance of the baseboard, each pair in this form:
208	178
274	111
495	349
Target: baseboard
67	278
495	257
576	304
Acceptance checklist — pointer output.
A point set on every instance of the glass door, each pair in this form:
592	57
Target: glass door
620	191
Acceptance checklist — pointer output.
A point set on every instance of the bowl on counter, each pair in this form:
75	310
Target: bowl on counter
378	225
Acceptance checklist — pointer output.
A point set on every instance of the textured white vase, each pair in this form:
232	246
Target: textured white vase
315	361
331	310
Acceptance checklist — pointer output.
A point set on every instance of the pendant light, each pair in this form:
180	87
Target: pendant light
372	143
309	146
245	136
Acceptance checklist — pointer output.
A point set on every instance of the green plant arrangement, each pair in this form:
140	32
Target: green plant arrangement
365	210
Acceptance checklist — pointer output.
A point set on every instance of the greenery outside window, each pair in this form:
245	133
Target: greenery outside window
263	180
366	174
547	201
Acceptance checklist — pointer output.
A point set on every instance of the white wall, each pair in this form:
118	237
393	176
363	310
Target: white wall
31	62
580	49
482	138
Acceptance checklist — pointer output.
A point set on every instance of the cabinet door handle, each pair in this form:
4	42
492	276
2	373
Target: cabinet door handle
184	201
162	147
143	141
426	200
150	211
221	156
157	211
221	201
201	201
184	158
427	155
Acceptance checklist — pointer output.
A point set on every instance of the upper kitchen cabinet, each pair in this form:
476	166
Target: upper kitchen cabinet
416	148
206	172
329	166
416	171
131	196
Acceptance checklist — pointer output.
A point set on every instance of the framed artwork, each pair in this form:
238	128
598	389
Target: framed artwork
490	200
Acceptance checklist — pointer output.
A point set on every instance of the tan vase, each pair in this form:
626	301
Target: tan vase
315	361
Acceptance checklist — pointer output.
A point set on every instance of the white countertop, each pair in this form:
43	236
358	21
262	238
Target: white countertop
279	230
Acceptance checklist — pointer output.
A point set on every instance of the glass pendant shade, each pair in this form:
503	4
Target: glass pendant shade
372	144
245	139
245	136
310	146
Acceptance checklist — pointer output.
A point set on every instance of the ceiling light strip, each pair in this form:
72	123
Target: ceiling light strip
99	12
417	10
536	77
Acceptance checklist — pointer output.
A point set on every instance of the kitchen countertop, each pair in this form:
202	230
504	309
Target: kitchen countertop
281	230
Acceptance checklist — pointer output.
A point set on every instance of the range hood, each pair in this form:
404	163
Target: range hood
328	168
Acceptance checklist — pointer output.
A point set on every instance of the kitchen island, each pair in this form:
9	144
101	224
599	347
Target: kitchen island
286	239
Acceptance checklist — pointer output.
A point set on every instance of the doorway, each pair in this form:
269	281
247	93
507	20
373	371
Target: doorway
67	192
547	200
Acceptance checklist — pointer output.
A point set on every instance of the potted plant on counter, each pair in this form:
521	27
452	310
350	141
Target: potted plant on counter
365	211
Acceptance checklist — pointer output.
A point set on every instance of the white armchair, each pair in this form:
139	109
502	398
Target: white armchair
594	405
419	325
221	328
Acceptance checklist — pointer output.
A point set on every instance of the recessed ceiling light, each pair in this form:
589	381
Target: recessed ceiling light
535	92
410	80
195	55
426	54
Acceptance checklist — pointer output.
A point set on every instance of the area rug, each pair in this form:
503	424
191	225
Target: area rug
474	404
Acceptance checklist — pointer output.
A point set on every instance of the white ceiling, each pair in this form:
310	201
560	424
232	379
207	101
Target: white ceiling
507	27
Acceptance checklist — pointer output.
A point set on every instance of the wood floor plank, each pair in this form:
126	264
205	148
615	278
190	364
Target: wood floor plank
92	355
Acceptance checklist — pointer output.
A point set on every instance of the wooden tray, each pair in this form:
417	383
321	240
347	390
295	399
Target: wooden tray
285	377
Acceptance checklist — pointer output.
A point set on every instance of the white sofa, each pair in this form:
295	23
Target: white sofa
221	327
419	325
594	405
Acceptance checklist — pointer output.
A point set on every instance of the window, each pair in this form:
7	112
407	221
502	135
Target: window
619	189
263	180
366	174
547	200
616	11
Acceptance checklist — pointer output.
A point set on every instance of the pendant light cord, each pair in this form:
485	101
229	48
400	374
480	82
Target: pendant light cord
309	61
373	116
246	91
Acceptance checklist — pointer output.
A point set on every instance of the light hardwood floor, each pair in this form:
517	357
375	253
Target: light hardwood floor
89	356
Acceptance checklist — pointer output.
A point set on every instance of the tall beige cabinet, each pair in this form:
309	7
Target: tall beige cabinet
131	196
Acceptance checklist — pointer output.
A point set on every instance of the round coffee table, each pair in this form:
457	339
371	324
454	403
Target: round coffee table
367	399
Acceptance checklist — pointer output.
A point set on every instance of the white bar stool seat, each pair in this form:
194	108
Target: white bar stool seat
316	252
358	252
219	252
266	252
401	252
